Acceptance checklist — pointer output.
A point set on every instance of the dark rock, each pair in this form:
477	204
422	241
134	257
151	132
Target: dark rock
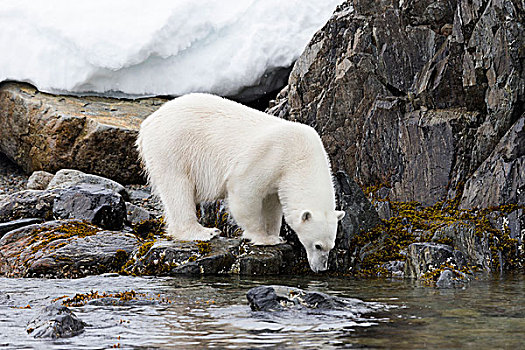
96	135
267	260
164	257
425	257
501	177
219	256
360	217
416	95
92	203
66	178
39	180
63	249
263	298
55	322
215	214
279	298
13	225
28	204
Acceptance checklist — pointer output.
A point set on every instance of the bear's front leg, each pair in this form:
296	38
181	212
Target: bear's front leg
248	212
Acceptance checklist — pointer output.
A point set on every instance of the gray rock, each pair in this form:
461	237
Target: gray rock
92	203
425	257
395	268
464	238
360	217
55	322
501	177
39	180
384	210
70	178
96	135
63	249
13	225
451	279
136	214
28	204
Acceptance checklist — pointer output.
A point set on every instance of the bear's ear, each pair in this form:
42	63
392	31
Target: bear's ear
340	214
306	215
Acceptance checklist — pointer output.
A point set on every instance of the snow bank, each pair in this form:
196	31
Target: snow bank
153	47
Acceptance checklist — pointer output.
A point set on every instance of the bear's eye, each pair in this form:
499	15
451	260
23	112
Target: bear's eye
318	247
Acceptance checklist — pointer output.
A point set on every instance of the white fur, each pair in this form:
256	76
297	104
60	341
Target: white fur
201	147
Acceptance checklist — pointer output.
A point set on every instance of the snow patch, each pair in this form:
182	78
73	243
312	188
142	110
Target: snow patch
153	47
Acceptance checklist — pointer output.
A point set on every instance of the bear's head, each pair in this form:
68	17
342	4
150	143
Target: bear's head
317	231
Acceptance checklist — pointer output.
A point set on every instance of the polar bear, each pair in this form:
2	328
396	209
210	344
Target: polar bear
201	147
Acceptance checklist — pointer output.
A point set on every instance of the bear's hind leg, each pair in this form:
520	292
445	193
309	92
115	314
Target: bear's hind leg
178	198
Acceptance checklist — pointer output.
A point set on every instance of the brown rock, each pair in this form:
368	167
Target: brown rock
41	131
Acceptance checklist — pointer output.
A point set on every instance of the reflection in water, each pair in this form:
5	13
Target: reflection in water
213	312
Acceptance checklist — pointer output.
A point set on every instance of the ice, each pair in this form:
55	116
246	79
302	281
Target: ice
153	47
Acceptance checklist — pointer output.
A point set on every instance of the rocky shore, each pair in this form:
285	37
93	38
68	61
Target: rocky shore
420	105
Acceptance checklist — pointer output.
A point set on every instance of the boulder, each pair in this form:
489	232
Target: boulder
451	279
55	322
96	135
463	237
39	180
219	256
69	178
63	249
92	203
28	204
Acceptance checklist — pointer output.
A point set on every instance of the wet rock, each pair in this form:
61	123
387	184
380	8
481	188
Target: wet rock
63	249
39	180
425	257
70	178
219	256
395	268
264	298
278	298
28	204
164	257
384	210
266	260
92	203
96	135
13	225
55	322
451	279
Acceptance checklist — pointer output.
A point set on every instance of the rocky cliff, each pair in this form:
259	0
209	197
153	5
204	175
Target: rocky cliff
424	98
